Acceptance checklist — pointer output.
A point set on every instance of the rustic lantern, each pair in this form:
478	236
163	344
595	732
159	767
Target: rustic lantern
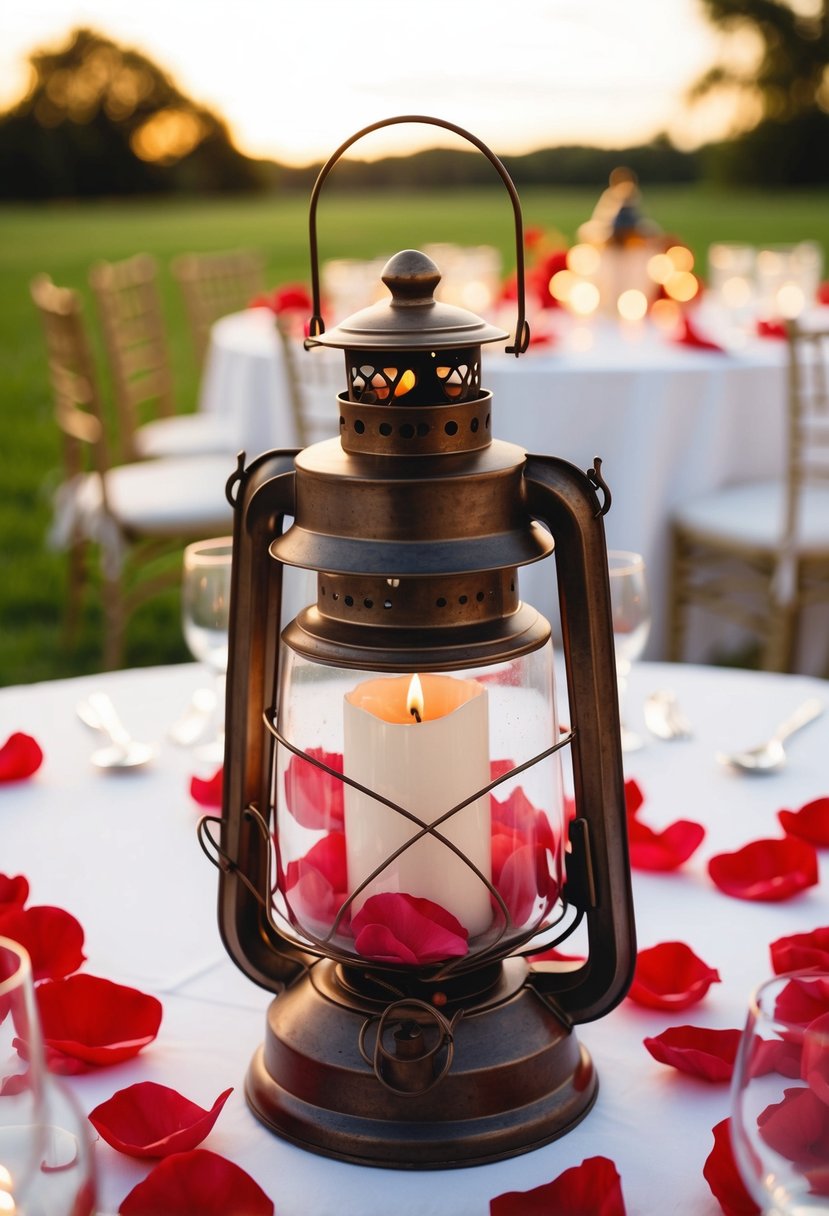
395	838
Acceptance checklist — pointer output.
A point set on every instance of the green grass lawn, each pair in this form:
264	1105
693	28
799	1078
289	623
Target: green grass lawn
66	239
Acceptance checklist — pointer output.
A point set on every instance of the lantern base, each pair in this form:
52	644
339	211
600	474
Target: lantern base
516	1079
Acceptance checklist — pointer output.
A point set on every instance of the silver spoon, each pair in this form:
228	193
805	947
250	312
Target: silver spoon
195	720
123	752
664	717
769	756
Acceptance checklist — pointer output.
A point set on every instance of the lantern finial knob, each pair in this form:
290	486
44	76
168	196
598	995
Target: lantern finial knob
411	277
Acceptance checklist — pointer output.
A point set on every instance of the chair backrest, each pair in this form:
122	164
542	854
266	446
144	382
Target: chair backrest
314	380
215	284
78	407
808	413
132	320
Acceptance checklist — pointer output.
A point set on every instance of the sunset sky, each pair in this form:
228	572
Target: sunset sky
294	80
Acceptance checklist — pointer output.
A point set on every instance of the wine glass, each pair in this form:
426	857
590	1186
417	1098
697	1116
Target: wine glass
780	1095
631	614
205	605
45	1152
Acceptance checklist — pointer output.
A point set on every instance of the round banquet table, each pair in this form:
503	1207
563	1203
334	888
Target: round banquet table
669	421
120	853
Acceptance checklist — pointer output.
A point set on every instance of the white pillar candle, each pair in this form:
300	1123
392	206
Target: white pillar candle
426	767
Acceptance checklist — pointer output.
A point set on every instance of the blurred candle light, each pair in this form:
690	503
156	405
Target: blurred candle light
680	258
584	298
660	267
682	286
583	260
632	305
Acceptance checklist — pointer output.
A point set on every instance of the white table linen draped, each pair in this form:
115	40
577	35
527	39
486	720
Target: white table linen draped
119	851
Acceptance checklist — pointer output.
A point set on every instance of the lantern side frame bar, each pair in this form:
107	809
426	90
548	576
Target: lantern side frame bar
562	496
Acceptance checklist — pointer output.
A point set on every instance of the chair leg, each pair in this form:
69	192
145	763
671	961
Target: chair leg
677	604
113	603
76	582
781	640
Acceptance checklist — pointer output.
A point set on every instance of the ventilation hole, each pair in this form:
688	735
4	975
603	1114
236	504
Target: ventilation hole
359	427
392	582
386	428
366	370
368	603
335	596
487	421
512	585
440	602
322	591
423	429
463	599
342	422
451	428
480	597
406	383
407	431
473	426
349	601
391	372
387	604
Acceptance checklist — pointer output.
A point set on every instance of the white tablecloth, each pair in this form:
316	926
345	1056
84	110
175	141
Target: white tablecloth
120	853
669	422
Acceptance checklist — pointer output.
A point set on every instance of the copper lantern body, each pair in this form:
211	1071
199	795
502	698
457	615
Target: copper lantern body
394	838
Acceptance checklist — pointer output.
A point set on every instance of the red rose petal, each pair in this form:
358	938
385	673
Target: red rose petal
797	1127
13	891
315	798
670	976
695	1050
768	870
593	1188
53	938
317	882
20	757
399	928
801	1003
810	823
801	951
151	1120
91	1022
197	1181
814	1063
666	850
634	798
208	791
721	1174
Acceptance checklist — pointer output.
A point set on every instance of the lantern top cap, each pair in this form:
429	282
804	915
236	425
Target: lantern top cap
412	319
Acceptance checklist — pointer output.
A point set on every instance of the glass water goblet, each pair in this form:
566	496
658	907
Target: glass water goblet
45	1151
780	1096
630	609
205	607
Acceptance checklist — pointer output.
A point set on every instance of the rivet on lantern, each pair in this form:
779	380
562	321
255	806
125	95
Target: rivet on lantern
394	809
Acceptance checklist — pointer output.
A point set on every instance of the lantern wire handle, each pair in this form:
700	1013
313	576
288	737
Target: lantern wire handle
522	329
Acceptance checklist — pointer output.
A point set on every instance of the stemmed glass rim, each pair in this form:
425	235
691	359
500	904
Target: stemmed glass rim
23	972
216	550
623	561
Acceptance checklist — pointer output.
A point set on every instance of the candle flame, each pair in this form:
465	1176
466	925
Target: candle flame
414	701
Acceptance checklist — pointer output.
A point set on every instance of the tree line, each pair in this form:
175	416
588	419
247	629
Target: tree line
104	120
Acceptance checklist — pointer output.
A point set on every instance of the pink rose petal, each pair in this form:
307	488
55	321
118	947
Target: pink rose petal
769	870
721	1174
316	883
315	798
810	823
670	976
20	757
200	1182
593	1188
151	1120
400	928
696	1050
91	1022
